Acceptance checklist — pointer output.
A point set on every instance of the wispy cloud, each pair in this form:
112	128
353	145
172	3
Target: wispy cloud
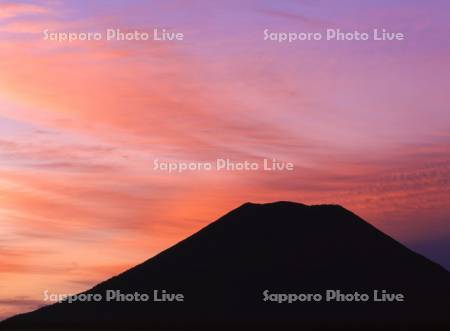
14	9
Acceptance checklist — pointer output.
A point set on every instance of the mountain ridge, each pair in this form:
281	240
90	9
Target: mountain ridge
281	246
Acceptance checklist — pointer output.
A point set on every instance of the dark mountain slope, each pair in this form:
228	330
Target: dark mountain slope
282	247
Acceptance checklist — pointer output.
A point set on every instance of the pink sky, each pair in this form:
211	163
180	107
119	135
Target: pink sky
366	124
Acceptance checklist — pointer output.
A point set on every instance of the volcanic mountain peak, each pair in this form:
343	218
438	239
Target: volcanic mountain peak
285	247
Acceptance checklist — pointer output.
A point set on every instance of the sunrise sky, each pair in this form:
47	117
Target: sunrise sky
367	125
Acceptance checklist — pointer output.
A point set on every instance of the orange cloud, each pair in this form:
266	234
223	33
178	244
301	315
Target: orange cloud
13	9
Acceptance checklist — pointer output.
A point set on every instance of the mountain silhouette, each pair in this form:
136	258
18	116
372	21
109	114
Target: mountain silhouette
223	270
